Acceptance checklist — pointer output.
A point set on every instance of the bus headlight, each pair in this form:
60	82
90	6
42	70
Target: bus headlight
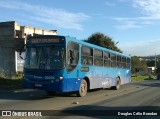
60	77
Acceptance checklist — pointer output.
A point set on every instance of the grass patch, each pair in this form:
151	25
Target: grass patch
15	82
141	78
10	83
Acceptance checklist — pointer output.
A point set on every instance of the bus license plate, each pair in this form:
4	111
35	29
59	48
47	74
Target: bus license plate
38	85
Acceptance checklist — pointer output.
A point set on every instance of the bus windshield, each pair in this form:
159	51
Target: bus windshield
47	58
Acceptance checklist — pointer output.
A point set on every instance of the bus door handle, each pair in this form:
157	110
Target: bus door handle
77	73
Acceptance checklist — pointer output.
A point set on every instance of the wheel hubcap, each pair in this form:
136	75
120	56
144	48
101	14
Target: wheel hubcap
83	88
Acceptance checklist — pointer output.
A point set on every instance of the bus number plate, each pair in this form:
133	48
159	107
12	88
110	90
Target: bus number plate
38	85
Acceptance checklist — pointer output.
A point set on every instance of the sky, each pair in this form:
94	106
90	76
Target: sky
134	24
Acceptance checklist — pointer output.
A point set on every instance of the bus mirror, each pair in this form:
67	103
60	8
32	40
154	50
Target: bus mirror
22	52
20	55
71	54
71	57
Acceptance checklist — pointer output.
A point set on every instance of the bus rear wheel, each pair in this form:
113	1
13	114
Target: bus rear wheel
83	89
118	84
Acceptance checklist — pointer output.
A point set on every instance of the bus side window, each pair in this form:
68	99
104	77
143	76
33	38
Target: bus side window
107	59
86	55
84	61
113	60
72	56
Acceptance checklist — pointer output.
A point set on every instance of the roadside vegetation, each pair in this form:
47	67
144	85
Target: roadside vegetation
140	68
142	77
12	82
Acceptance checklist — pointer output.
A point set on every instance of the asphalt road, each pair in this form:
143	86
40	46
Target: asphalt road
141	98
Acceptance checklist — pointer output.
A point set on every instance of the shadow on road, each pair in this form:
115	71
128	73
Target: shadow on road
31	94
25	94
151	83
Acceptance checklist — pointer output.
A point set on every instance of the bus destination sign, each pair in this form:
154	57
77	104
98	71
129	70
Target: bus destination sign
46	40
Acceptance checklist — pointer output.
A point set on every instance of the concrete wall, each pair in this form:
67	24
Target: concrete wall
27	30
47	32
6	31
7	57
7	60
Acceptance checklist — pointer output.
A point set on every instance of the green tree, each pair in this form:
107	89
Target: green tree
151	63
102	40
138	64
157	66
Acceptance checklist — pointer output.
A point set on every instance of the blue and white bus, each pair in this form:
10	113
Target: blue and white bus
60	64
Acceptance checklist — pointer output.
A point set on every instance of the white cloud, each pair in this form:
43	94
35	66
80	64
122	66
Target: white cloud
150	14
111	4
127	24
149	7
141	48
56	17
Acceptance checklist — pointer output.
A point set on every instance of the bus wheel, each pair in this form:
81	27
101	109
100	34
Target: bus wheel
118	84
83	89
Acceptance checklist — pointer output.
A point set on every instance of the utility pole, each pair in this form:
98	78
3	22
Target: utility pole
116	43
155	62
